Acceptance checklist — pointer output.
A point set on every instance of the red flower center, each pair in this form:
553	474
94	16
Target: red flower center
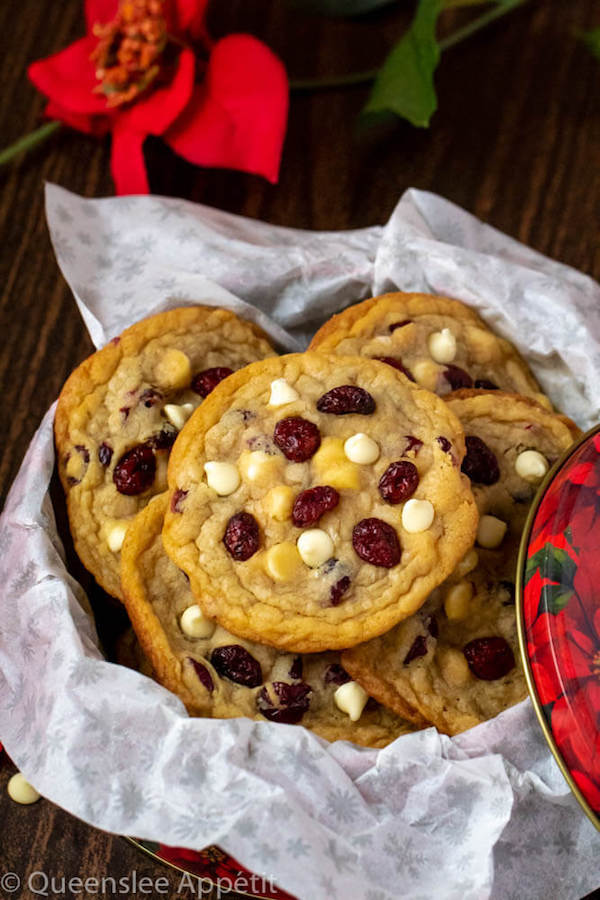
129	50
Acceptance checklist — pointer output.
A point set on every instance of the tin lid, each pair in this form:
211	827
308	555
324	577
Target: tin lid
558	615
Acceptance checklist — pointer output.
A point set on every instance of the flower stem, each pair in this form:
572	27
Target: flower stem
28	141
337	81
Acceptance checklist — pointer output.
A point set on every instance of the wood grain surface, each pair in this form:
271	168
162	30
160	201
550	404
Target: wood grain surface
516	141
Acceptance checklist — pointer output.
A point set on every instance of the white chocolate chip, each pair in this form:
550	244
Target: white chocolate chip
362	449
195	624
531	465
453	666
315	547
116	535
279	502
260	468
21	791
490	532
351	698
426	373
282	393
417	515
178	415
173	371
442	346
282	561
331	466
222	477
457	600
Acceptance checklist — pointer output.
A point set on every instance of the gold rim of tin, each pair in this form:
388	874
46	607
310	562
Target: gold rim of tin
593	816
215	884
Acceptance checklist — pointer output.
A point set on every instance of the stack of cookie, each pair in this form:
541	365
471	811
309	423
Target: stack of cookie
334	540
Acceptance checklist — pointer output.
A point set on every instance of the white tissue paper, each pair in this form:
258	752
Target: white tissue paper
485	814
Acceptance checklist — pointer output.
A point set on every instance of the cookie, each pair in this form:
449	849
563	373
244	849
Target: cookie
121	410
456	662
316	500
441	344
219	675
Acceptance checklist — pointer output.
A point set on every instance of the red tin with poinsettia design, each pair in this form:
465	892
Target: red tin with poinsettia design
558	615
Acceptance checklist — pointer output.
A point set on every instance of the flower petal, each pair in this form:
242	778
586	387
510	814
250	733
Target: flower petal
69	78
189	16
127	161
101	11
96	125
589	788
237	118
156	109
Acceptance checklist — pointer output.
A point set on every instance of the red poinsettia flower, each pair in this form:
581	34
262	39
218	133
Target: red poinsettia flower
148	67
576	487
570	686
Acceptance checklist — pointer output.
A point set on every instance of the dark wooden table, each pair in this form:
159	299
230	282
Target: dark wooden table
516	141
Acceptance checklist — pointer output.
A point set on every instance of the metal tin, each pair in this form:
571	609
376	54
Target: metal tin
557	569
210	866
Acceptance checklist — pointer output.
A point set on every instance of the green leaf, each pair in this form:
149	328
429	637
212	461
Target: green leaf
554	563
554	597
404	84
592	40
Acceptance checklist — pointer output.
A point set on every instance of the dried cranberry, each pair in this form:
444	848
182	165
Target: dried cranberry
177	500
489	658
134	472
163	439
313	503
376	542
290	704
399	481
105	453
241	536
336	674
336	594
203	674
444	443
412	443
431	624
150	397
418	649
483	384
233	661
480	463
124	410
296	668
345	399
297	438
401	324
396	363
207	380
457	378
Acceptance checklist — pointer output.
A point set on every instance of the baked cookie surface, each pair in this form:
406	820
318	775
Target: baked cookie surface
456	662
440	343
121	410
219	675
317	500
